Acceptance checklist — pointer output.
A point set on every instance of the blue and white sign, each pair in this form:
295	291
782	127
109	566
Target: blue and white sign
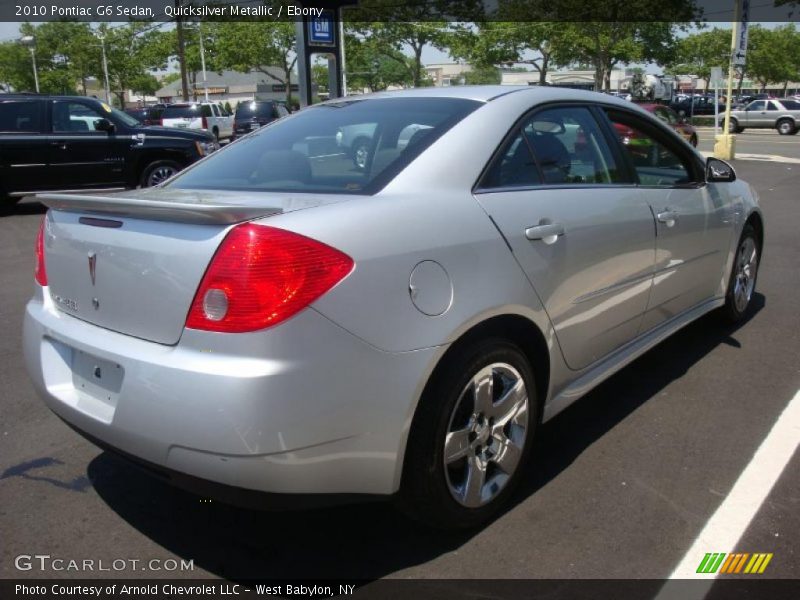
321	30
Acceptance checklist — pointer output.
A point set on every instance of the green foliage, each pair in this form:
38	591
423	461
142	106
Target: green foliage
697	53
371	66
773	56
255	45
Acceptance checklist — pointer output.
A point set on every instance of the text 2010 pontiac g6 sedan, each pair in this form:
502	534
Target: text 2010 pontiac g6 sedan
279	319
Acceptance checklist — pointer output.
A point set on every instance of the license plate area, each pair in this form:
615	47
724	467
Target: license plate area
97	383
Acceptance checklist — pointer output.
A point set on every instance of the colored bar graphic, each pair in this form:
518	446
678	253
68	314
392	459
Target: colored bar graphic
734	563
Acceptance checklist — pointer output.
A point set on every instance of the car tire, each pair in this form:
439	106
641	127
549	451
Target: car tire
157	172
360	152
489	443
786	127
744	273
733	126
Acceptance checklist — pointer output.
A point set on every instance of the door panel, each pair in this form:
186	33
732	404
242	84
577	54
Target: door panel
594	280
693	221
23	145
690	253
584	238
80	156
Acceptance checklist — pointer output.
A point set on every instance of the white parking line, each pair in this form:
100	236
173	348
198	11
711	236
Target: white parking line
761	157
730	521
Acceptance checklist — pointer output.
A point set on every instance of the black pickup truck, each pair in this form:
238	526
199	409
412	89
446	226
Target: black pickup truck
73	143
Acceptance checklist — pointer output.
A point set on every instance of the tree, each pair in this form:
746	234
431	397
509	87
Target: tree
507	43
773	55
374	68
16	70
602	35
698	53
256	45
133	50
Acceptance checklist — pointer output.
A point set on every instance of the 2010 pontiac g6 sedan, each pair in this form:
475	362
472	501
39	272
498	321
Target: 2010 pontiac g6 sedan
281	318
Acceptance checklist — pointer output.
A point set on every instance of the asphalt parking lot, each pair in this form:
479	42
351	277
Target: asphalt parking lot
622	483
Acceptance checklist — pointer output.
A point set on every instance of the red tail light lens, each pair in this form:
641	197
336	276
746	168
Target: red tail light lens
205	122
41	272
261	276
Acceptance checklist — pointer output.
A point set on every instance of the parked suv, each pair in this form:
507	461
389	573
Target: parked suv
783	115
210	116
252	115
75	143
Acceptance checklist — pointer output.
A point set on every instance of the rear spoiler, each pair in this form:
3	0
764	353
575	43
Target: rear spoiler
158	210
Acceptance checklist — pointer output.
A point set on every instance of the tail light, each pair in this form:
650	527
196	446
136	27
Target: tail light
260	276
161	122
205	122
41	272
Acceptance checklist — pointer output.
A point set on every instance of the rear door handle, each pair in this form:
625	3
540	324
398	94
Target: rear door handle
668	217
548	232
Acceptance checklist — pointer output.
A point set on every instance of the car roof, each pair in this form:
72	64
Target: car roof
487	93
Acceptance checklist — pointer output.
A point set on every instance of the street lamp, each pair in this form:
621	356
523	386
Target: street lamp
30	43
102	37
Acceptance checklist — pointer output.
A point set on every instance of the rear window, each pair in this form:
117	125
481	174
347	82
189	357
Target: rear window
315	150
187	111
254	109
21	115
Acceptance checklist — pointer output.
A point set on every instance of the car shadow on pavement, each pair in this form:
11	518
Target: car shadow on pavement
25	207
368	541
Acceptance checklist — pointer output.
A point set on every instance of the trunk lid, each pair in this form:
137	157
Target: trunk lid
132	262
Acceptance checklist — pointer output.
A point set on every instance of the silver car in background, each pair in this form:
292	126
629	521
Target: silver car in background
278	319
781	114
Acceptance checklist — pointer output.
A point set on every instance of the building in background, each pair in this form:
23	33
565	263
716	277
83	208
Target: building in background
232	87
445	74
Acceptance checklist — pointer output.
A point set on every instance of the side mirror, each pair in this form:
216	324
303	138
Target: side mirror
719	171
104	125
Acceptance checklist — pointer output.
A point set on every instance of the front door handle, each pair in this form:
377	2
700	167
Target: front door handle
547	232
60	145
668	217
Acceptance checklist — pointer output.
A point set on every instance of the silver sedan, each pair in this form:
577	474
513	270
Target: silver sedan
279	320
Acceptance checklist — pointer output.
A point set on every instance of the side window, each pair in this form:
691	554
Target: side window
772	106
513	167
757	105
205	110
21	116
73	117
282	112
656	164
569	148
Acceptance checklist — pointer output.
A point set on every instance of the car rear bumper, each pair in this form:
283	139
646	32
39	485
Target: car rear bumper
303	408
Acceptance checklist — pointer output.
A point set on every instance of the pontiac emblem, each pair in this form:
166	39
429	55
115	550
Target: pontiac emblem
92	265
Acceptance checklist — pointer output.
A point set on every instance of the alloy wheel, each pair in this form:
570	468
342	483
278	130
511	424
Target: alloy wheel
160	175
745	277
486	435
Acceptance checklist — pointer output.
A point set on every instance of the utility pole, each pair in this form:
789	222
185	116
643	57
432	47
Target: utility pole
203	58
102	37
181	52
30	43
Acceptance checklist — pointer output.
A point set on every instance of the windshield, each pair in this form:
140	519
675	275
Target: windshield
189	111
352	146
254	109
125	118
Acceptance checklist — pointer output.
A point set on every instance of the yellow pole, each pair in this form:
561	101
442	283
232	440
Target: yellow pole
725	146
